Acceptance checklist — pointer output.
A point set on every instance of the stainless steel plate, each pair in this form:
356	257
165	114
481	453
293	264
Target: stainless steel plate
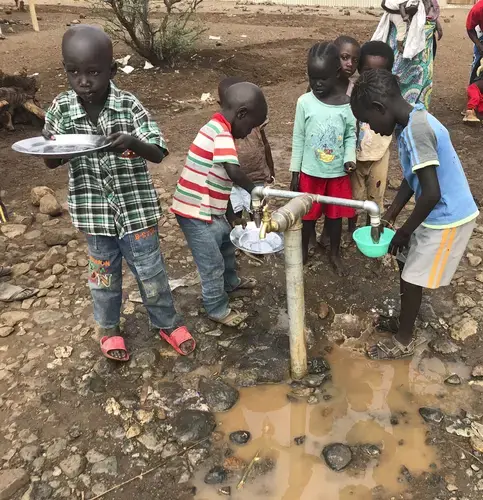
248	239
64	146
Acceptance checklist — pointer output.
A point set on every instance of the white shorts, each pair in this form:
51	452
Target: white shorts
434	255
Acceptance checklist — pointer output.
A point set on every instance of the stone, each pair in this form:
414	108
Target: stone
29	453
433	415
47	316
240	437
225	490
145	358
302	392
94	457
57	269
56	448
300	440
465	328
59	235
11	480
444	346
371	450
234	464
315	380
150	442
12	231
20	269
50	206
133	431
73	466
216	475
55	255
323	310
474	260
318	366
193	425
5	331
63	351
38	491
453	379
11	318
218	394
464	301
38	193
337	456
48	283
107	466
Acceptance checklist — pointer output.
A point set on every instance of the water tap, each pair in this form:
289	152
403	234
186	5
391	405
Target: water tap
266	223
257	211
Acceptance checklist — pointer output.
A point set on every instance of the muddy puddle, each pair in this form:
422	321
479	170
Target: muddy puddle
366	403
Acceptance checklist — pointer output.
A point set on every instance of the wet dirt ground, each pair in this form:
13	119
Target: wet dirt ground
77	425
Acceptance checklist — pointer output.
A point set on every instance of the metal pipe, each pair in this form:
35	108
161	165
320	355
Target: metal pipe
294	271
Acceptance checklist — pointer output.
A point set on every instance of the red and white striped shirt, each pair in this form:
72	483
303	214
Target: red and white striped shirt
204	188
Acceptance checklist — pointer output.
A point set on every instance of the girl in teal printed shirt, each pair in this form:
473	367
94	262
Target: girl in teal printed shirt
324	147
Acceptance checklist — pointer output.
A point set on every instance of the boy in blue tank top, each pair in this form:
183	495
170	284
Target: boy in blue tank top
432	241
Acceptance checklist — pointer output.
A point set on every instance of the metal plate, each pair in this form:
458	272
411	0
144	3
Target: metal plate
248	239
64	146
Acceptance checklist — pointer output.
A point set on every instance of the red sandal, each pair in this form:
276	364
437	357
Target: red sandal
114	344
177	338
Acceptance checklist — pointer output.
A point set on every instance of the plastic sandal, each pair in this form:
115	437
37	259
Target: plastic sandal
177	338
114	344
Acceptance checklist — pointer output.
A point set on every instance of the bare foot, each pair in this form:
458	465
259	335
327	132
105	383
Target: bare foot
324	241
338	265
187	346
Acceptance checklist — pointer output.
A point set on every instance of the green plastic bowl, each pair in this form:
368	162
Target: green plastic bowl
362	237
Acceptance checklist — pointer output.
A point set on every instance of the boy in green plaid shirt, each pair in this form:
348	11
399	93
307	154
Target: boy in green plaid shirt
111	194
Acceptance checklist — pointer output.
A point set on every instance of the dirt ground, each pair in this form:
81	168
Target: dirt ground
49	400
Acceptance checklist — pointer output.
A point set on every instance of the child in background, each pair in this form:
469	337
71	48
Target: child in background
370	177
432	241
254	155
323	150
203	191
474	109
349	53
111	194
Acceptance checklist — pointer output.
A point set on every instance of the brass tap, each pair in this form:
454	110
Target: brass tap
267	225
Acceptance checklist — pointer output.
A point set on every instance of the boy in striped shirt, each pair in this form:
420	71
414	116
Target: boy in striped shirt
203	192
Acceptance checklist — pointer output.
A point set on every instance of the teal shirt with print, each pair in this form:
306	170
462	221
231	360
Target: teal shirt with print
324	138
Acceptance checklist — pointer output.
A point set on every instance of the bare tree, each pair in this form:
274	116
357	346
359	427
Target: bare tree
160	41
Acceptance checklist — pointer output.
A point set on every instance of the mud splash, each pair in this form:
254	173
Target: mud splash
366	403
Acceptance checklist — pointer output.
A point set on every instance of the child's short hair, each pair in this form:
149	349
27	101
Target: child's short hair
343	39
226	83
374	85
377	48
325	50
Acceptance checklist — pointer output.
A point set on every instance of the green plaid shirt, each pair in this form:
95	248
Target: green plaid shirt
109	195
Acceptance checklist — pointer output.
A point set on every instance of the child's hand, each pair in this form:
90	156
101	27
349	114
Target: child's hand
349	167
294	183
120	142
47	135
399	242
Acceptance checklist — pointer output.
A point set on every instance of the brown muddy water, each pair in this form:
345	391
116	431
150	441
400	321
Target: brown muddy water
371	403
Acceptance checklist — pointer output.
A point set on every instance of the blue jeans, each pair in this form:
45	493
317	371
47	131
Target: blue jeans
214	255
143	256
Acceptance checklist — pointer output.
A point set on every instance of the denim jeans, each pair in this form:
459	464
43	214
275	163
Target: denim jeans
214	255
142	254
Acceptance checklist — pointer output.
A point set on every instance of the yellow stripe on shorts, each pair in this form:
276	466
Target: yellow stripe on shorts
441	259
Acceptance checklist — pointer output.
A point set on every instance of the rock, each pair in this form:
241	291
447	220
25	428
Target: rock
337	456
477	443
474	260
55	255
453	379
133	431
315	380
73	466
12	231
11	480
145	358
56	448
477	371
465	328
433	415
300	440
323	310
443	346
225	490
107	466
50	206
59	235
5	331
38	193
20	269
48	283
216	475
371	450
240	437
150	442
29	453
38	491
479	277
193	425
234	464
11	318
318	365
47	316
218	394
82	262
57	269
464	301
94	457
302	392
